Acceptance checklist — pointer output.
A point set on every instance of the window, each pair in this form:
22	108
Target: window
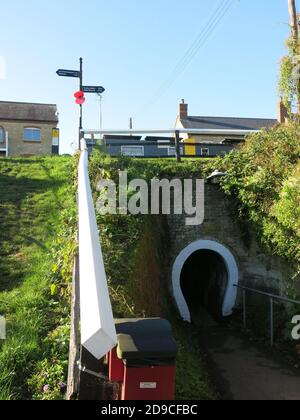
171	151
133	151
2	135
205	152
32	134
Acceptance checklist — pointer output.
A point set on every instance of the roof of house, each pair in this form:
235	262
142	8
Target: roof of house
227	123
31	112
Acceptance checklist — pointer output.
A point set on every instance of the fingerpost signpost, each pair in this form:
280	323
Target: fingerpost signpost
79	96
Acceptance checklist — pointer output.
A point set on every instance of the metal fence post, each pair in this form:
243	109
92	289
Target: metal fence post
177	146
244	309
272	321
272	299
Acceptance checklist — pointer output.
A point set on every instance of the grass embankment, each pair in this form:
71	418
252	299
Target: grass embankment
36	248
136	259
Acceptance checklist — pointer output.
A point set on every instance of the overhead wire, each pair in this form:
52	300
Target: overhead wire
217	16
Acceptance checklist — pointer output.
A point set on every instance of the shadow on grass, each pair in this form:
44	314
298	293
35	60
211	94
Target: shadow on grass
12	274
20	220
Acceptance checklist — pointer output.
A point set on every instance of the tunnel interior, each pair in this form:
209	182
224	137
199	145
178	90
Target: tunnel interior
203	281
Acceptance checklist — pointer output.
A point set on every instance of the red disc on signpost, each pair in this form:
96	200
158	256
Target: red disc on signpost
80	99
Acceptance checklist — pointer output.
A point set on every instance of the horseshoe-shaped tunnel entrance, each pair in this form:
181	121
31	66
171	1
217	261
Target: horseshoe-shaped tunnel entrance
204	276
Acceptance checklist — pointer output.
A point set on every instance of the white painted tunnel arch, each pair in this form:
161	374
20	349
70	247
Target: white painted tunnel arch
232	269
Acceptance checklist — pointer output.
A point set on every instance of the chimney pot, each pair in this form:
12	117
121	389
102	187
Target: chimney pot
183	110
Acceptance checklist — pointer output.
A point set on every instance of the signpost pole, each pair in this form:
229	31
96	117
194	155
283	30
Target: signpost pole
80	99
80	88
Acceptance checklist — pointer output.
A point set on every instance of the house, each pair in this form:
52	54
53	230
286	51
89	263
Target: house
208	136
138	146
28	129
160	147
222	133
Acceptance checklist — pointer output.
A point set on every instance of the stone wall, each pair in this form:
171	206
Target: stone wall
256	268
16	144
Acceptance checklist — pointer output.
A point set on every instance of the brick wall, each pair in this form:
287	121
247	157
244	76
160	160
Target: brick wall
256	268
18	147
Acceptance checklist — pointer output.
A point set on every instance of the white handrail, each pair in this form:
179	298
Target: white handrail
98	332
171	131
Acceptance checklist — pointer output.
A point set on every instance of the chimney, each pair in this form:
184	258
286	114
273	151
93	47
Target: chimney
183	110
283	114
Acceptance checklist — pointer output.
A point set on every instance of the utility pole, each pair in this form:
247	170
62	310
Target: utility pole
293	20
294	23
101	114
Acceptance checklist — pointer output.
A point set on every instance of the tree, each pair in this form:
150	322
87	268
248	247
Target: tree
293	19
289	83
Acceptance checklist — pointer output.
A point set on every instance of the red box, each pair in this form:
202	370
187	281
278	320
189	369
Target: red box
149	383
116	367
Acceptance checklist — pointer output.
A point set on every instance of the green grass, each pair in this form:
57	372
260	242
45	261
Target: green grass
193	380
33	194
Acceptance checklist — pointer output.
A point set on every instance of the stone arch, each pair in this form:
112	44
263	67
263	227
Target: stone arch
231	266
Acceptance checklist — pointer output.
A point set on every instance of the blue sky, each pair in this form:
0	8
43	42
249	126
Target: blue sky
131	47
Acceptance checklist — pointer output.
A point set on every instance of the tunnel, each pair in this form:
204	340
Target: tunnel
203	280
204	277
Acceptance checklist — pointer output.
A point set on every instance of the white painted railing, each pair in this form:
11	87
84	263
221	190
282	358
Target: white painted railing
98	333
171	131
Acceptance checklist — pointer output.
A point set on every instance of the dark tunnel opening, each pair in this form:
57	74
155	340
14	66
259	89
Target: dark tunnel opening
204	279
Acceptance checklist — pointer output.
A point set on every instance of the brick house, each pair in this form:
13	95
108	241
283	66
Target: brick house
226	132
28	129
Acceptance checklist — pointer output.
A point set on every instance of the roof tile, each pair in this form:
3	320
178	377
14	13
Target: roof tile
227	123
21	111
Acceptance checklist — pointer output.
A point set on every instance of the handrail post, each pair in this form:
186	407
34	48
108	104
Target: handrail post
177	146
272	299
272	321
244	309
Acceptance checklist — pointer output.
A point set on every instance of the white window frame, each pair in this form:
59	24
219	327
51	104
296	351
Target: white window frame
206	149
32	129
3	141
142	148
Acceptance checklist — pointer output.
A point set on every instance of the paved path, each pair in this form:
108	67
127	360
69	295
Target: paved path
243	371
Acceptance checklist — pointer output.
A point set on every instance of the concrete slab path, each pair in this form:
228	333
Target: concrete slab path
243	371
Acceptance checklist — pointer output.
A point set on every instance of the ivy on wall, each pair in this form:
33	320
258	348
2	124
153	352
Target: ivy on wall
264	184
288	85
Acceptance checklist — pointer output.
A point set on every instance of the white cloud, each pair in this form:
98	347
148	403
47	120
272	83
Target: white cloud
2	68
